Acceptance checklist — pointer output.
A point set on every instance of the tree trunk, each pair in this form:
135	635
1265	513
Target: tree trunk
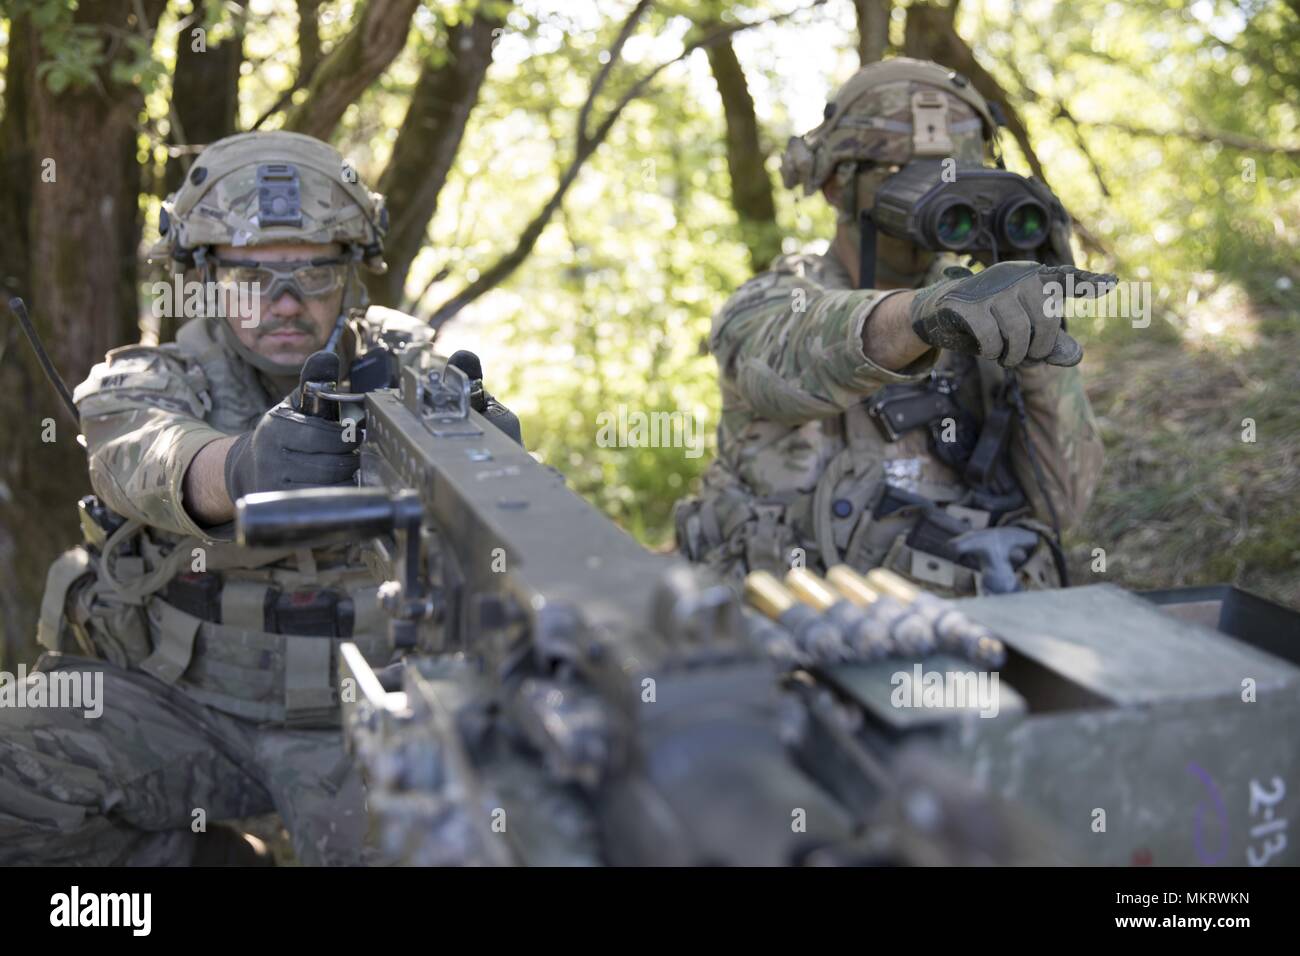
204	108
873	29
377	37
205	97
83	229
751	187
308	38
15	165
426	146
930	35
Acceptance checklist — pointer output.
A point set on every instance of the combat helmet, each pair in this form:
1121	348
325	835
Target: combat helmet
262	188
268	188
888	113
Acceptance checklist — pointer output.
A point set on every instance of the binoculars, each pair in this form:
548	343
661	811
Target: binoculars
991	214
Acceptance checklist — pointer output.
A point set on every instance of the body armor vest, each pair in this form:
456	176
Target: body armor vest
250	632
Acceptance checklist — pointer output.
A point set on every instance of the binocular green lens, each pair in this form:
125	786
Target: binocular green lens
955	225
1024	225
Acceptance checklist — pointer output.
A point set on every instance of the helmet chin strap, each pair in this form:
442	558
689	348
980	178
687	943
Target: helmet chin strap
889	273
332	344
866	251
873	269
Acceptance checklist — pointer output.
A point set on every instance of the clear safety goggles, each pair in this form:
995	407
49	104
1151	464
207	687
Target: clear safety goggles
302	278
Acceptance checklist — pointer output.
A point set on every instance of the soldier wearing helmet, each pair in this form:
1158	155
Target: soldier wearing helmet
217	661
882	405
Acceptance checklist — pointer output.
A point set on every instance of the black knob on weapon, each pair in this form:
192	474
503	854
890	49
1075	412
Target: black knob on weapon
480	400
320	374
468	363
376	368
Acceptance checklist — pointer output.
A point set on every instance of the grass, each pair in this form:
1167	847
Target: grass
1186	499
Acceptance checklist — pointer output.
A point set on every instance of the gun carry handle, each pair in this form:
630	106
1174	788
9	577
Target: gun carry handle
325	515
322	515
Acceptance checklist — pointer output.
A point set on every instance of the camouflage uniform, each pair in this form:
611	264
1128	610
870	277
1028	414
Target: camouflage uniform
801	466
219	662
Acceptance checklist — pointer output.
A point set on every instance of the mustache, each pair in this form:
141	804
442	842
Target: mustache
293	323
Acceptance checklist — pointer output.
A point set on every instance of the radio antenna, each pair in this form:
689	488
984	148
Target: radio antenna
19	309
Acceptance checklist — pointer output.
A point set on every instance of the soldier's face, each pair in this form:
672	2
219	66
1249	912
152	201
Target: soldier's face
287	326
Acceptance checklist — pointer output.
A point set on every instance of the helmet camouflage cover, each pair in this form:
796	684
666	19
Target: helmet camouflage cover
261	188
887	113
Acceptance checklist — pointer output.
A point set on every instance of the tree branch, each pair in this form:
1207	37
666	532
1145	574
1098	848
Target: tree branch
507	263
1232	140
426	145
309	57
1065	114
615	51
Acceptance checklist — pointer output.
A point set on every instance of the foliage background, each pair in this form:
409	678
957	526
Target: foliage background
1170	130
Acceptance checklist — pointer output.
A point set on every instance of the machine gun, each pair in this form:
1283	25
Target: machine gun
567	697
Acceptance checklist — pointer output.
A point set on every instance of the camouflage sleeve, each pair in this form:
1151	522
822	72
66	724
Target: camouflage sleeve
791	349
1066	442
142	414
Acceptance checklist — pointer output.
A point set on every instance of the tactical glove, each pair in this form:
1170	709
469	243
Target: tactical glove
289	449
1011	313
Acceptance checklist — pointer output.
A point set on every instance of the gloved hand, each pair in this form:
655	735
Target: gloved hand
289	449
1003	313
